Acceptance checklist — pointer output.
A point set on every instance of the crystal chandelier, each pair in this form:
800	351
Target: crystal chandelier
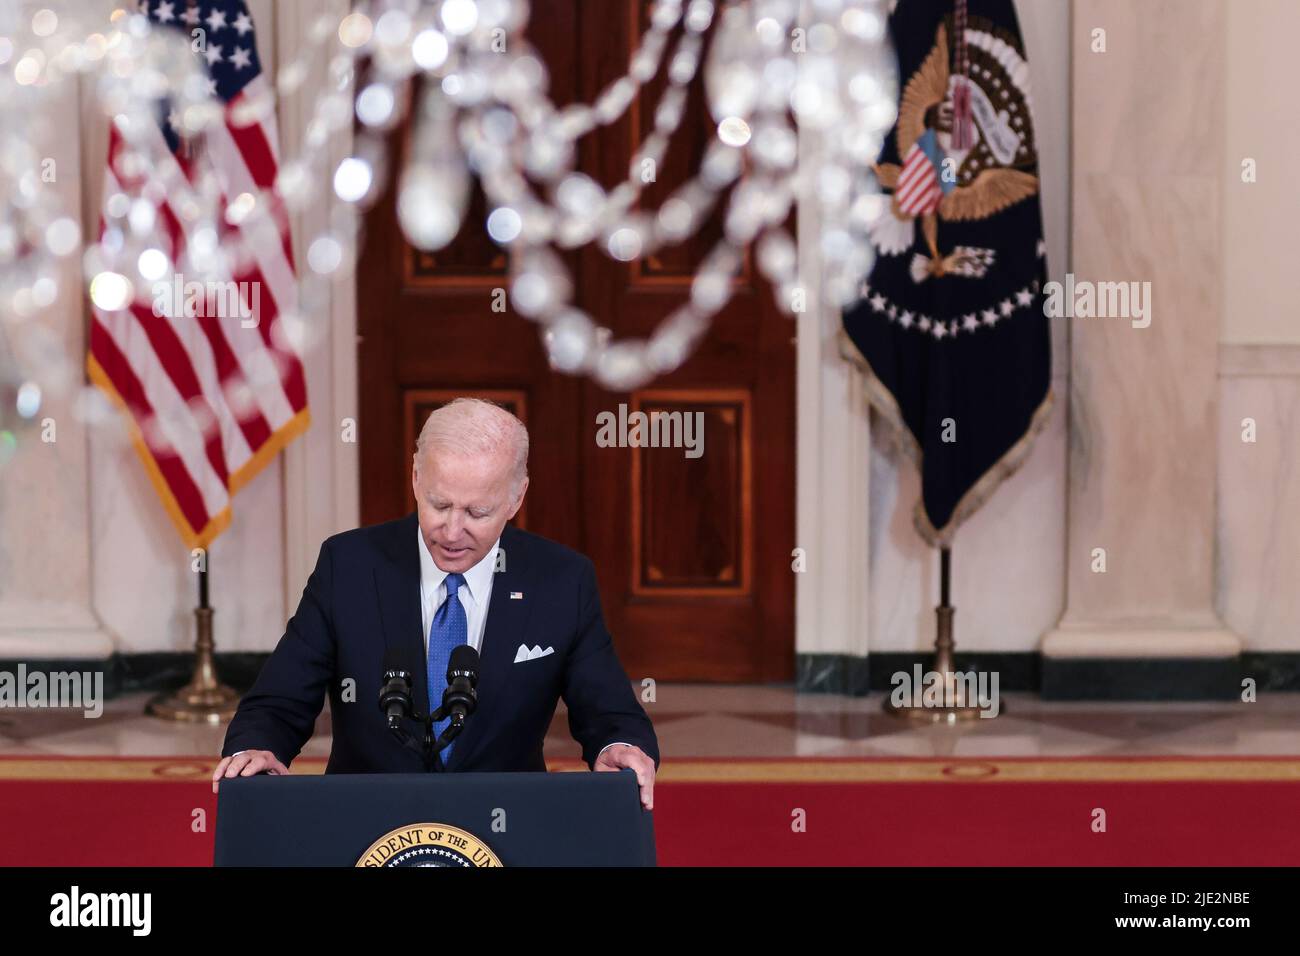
800	92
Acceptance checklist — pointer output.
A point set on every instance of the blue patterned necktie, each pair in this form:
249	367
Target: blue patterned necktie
449	630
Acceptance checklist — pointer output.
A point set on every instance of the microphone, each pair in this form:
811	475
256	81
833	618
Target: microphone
461	696
395	698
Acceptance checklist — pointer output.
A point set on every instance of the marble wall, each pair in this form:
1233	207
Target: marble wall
1258	528
46	572
1261	285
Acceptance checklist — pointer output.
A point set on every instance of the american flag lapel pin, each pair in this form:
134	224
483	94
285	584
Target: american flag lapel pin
516	595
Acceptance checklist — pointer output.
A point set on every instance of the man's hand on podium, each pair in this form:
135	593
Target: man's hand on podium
246	763
618	756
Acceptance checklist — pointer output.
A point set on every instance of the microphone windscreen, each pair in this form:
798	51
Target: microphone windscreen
463	658
394	660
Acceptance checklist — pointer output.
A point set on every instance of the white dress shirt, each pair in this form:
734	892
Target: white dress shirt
478	584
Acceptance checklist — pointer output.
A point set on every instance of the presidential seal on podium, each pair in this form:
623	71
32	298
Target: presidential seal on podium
428	844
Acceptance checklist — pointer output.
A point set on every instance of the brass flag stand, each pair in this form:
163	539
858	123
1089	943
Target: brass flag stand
204	699
942	663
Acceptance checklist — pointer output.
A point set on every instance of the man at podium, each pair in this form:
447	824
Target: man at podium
414	589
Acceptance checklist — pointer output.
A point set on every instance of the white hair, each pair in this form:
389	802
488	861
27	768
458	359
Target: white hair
471	426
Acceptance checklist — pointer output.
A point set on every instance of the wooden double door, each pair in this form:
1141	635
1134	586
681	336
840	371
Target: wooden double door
693	554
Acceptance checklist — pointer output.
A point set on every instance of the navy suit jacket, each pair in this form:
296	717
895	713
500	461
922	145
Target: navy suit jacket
364	597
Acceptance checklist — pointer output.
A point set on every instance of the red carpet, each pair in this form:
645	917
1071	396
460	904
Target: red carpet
1218	812
968	824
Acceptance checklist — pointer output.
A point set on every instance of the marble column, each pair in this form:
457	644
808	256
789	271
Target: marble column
46	609
1148	176
832	481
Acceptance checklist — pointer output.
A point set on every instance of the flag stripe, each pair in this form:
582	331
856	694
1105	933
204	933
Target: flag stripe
270	135
291	376
192	370
175	361
267	245
190	335
226	373
261	373
252	423
267	396
129	390
218	371
173	426
257	142
917	180
909	195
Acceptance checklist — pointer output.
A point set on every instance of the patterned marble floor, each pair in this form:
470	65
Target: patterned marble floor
710	721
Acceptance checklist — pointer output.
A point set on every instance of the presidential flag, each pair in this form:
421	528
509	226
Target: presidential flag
204	370
950	329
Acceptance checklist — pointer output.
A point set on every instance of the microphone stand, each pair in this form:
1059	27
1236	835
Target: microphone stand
429	749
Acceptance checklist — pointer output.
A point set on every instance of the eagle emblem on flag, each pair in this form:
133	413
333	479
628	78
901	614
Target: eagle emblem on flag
994	168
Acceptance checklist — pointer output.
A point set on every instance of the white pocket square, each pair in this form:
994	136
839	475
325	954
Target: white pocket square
525	653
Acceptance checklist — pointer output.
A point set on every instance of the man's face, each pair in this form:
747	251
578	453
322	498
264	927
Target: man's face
463	502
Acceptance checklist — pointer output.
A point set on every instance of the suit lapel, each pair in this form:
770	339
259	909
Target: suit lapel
397	582
507	623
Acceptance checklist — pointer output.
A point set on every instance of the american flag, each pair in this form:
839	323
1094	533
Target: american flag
211	399
920	187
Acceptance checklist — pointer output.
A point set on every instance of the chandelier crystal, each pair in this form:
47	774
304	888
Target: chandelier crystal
800	94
